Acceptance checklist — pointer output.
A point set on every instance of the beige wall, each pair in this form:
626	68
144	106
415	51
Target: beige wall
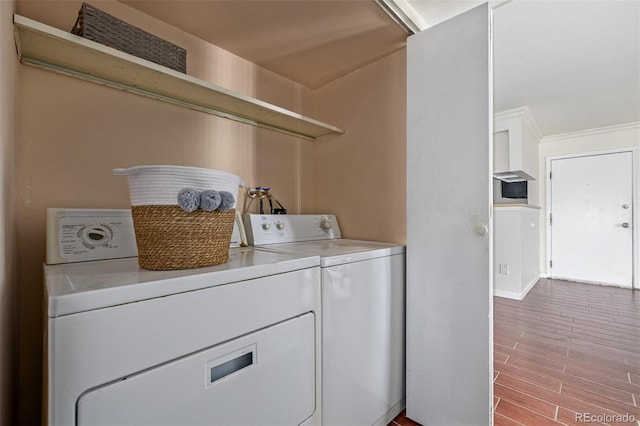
72	133
8	279
361	175
588	141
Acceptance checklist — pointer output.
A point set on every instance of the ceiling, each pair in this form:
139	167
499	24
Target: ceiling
312	42
575	64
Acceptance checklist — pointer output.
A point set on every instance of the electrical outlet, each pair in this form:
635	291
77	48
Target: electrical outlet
504	268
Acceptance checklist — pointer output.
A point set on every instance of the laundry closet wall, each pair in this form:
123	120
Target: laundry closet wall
361	176
71	134
8	274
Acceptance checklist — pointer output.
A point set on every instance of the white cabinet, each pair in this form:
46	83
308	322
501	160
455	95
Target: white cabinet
515	145
515	250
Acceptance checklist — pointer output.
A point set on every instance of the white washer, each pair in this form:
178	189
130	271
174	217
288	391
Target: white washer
233	344
363	298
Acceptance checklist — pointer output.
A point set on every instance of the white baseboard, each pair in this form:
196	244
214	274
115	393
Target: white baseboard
573	280
507	294
391	414
514	294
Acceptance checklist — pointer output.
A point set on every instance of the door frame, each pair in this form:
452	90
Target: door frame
634	203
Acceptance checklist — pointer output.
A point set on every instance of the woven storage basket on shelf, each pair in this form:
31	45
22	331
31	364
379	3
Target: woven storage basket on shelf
167	237
94	24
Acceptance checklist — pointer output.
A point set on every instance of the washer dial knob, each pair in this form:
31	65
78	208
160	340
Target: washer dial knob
95	236
325	225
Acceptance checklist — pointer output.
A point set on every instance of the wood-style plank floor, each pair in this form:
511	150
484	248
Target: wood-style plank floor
567	354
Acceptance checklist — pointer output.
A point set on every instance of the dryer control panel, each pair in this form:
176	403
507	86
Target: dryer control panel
290	228
77	235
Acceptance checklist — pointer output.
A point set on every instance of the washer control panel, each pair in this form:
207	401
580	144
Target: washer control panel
77	235
278	228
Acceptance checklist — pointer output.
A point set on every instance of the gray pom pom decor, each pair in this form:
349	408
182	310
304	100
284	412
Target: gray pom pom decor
210	200
189	199
226	201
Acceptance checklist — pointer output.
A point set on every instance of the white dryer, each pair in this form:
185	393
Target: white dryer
363	299
233	344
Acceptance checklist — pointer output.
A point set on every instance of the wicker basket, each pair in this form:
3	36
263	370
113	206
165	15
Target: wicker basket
167	237
96	25
170	238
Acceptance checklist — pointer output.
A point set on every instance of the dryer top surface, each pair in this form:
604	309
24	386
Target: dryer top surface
79	287
338	251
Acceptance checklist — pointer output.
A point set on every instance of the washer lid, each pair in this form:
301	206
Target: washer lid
337	252
79	287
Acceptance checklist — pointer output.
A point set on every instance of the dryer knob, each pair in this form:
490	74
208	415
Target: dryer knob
280	225
266	226
325	225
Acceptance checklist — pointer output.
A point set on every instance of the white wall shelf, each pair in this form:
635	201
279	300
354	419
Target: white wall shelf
52	49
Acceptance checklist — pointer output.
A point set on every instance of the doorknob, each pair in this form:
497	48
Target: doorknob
626	225
481	229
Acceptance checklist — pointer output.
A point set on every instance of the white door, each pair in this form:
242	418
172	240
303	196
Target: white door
592	218
449	193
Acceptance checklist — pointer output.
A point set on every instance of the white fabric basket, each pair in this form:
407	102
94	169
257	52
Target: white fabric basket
159	185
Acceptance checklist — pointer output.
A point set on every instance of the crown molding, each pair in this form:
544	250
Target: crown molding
635	125
523	113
